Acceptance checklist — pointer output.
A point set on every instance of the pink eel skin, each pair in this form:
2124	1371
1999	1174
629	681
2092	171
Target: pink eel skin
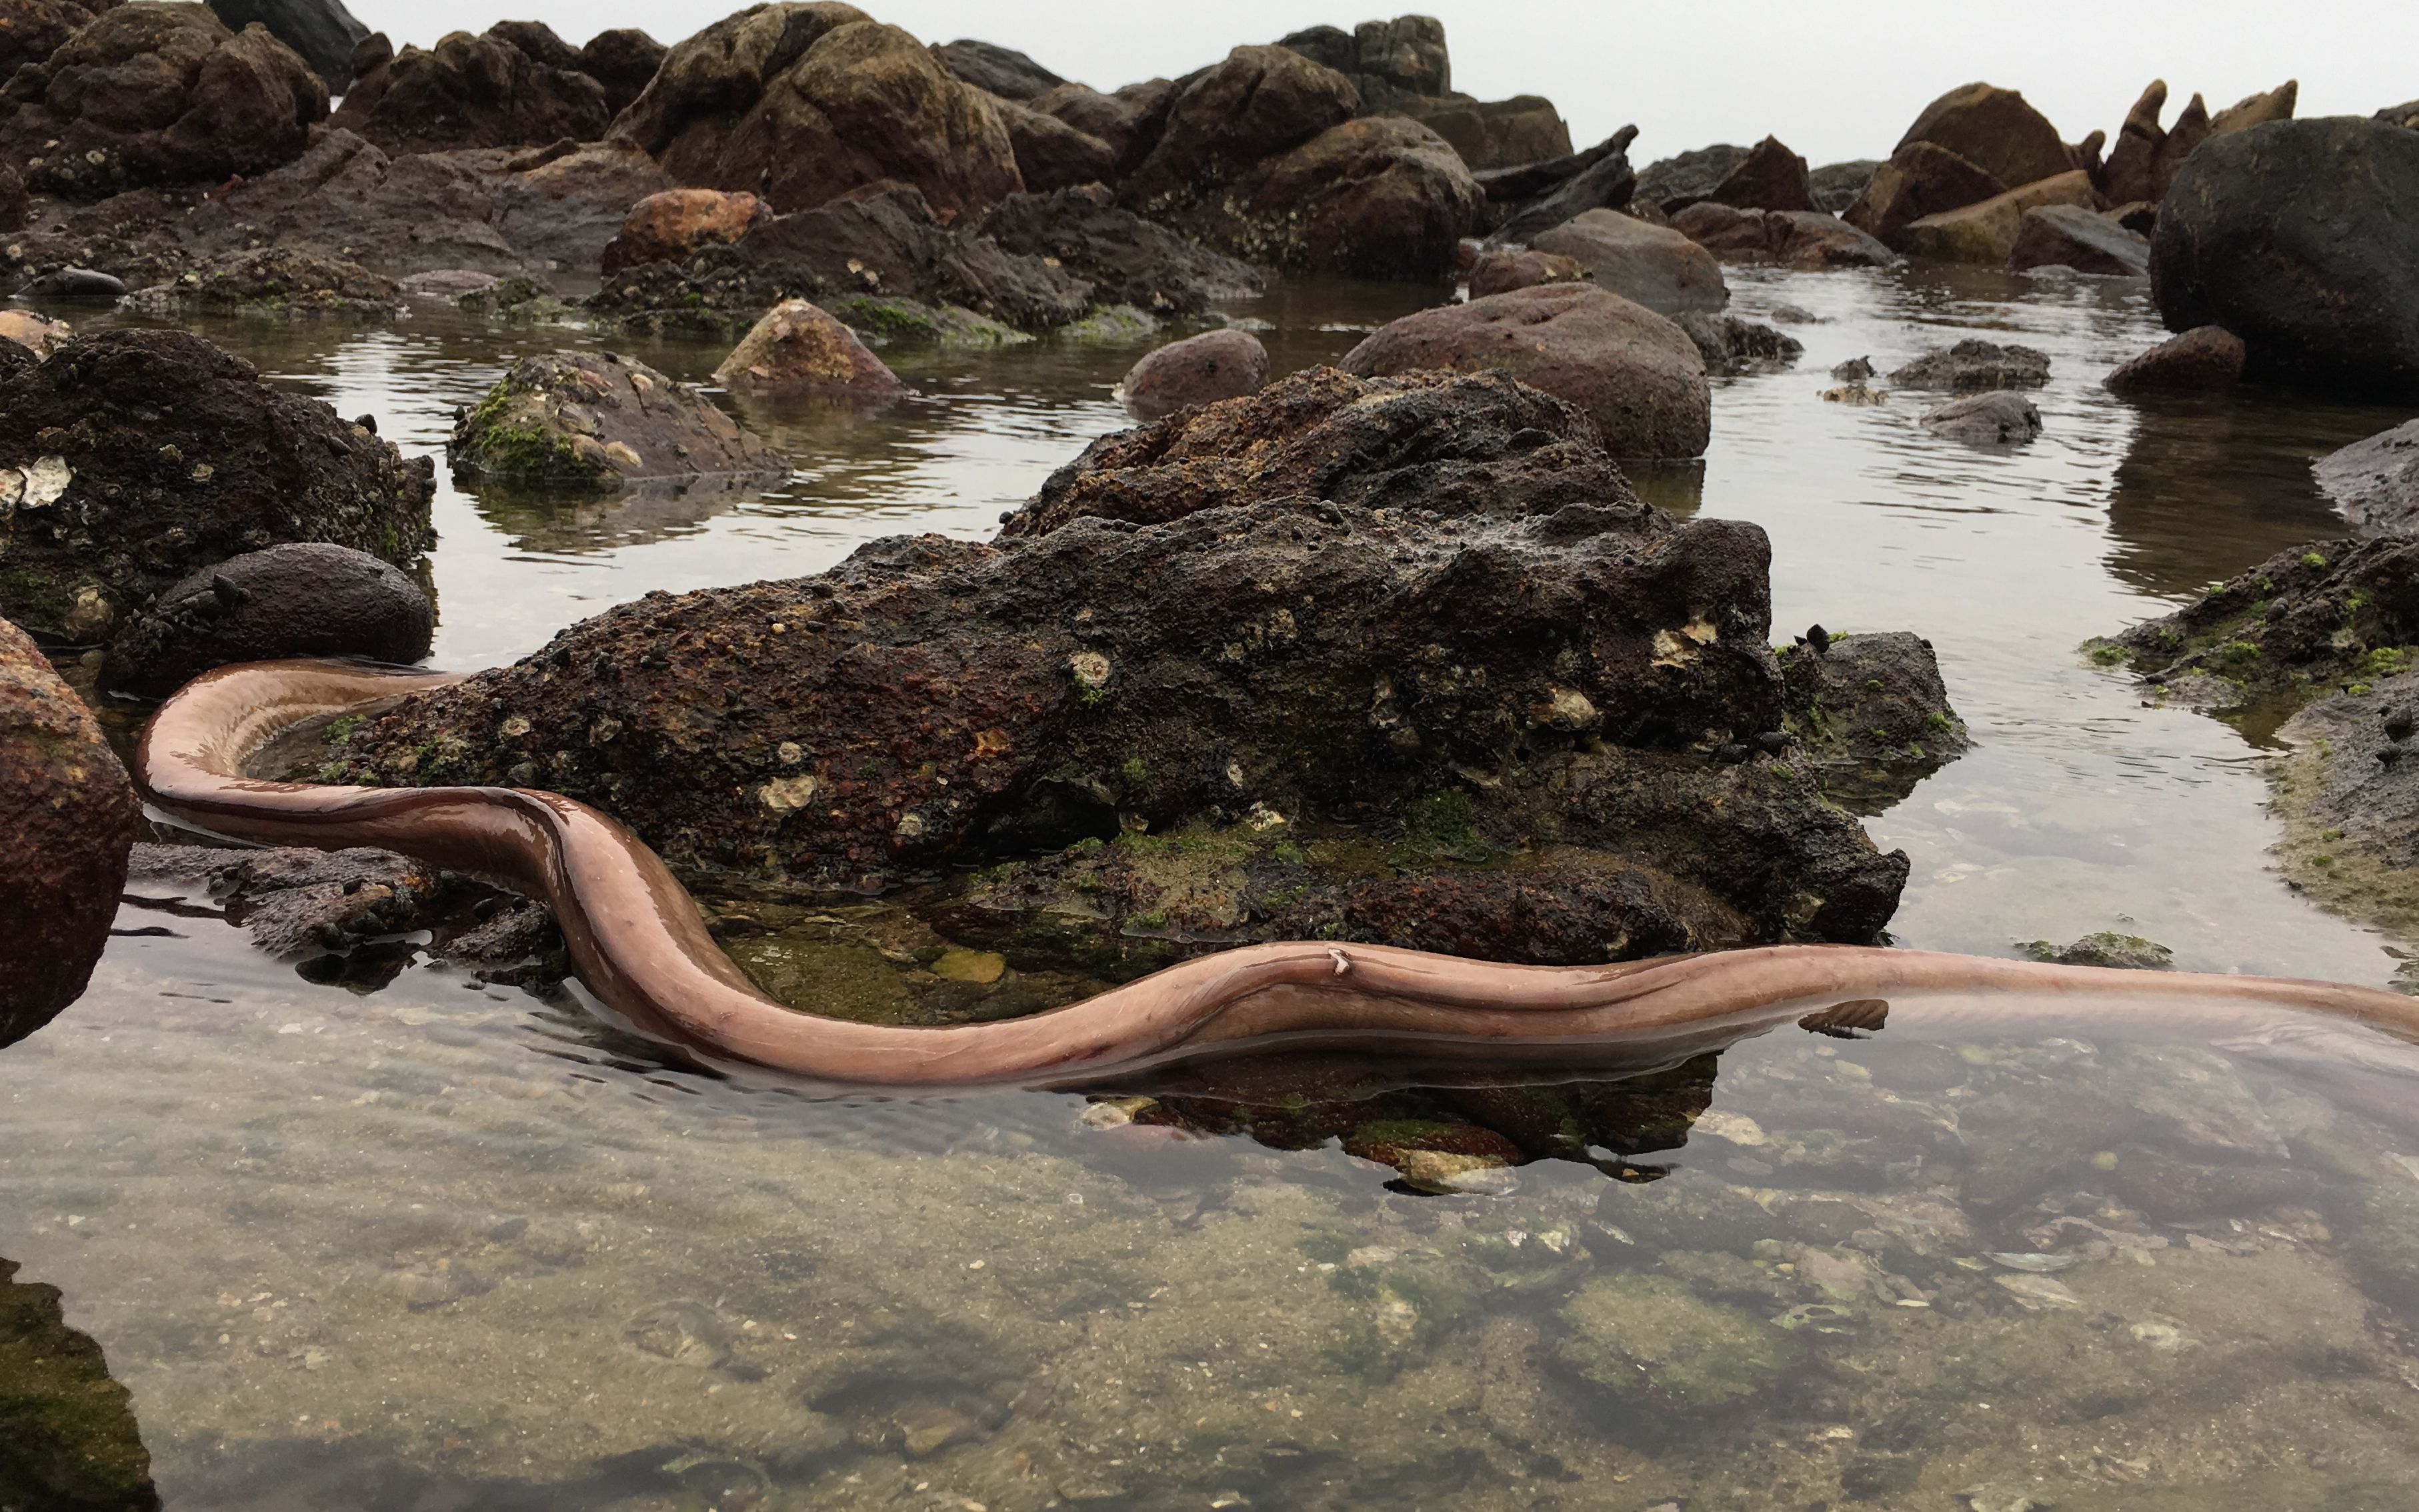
637	942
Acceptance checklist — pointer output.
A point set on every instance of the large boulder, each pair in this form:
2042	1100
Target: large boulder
2204	360
519	85
672	226
801	103
1382	197
2082	239
158	94
1998	131
1403	67
1920	179
70	814
1987	233
2376	482
301	600
1455	684
1051	154
1805	240
996	71
2143	164
321	32
800	351
133	458
1129	120
2303	238
32	30
1198	370
624	61
1652	265
1637	376
1768	178
587	420
1259	104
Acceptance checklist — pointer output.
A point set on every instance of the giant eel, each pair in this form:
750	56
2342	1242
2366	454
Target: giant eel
636	941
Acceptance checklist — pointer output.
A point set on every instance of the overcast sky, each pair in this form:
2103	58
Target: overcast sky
1833	81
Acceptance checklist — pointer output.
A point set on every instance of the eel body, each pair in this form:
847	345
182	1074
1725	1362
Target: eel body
637	943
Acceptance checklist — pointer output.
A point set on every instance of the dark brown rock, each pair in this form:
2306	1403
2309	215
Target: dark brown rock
70	814
1873	711
1261	102
1129	120
1974	364
1200	370
32	30
1501	272
804	352
1999	419
169	456
1922	179
1803	240
511	88
321	32
801	103
13	208
158	94
1839	185
277	282
1051	154
1677	183
624	61
2307	617
1125	258
2070	236
1768	178
996	71
674	225
303	600
2404	115
1996	131
596	420
1731	346
1436	441
1382	197
2208	359
1637	376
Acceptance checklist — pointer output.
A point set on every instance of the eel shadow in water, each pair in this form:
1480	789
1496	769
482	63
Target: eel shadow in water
68	1441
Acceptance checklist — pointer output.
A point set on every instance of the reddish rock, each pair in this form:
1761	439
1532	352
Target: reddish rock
800	350
1204	369
69	813
1501	272
1919	181
670	227
36	333
1996	131
1637	376
1806	239
2206	358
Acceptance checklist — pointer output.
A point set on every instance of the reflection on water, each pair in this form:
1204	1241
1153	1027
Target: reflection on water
67	1439
446	1245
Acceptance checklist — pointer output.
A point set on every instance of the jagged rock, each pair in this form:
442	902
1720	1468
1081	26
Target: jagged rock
1839	185
1975	364
1802	240
801	103
70	814
1677	183
1768	177
35	29
1873	711
1403	67
1204	369
1987	233
2203	360
301	600
1382	197
2376	482
1731	346
1543	196
674	225
1920	179
321	32
2000	418
624	61
2143	166
145	455
2404	115
996	70
274	283
1127	259
1996	131
1636	374
2274	234
158	93
1129	120
804	352
1652	265
597	420
2336	614
1501	272
1051	154
69	1438
519	85
1430	440
2072	235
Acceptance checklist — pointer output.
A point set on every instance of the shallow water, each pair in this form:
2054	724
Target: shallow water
446	1245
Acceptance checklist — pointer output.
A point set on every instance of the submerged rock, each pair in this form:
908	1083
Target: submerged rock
1641	377
1974	364
1650	265
2374	481
2108	951
804	352
1204	369
2207	359
2272	233
70	814
69	1438
1998	419
1651	1340
142	456
1731	346
303	600
596	419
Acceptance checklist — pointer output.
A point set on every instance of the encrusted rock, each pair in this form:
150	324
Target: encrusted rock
70	814
517	85
2207	359
996	70
1501	272
73	1440
1731	346
133	458
1872	709
2076	237
596	419
2107	951
1976	365
1997	419
275	282
672	226
321	32
38	28
302	600
1650	265
1204	369
2376	482
804	352
1793	239
1637	376
1125	259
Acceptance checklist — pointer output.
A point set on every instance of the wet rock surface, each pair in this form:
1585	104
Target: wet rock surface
1640	377
1872	710
146	454
2349	797
273	283
2272	233
1731	346
1975	363
1995	419
1650	265
2374	481
1198	370
2106	952
1791	239
303	600
517	85
68	1434
2206	358
803	351
70	814
2072	235
596	419
158	93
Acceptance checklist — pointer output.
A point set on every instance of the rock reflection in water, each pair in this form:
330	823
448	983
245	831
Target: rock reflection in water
68	1441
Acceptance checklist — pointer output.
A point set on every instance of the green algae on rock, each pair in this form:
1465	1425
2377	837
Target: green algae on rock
273	283
68	1441
1652	1341
597	421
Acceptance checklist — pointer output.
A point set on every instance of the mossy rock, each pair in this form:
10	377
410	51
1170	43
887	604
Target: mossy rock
1651	1340
68	1441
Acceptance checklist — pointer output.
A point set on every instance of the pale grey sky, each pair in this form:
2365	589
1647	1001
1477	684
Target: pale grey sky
1833	81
